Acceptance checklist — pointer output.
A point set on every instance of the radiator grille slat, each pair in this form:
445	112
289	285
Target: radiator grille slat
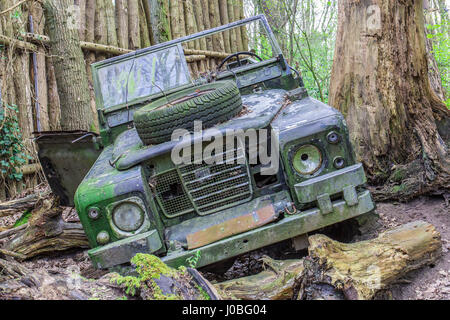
205	188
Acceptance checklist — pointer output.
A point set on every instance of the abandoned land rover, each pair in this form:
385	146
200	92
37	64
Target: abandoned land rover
130	195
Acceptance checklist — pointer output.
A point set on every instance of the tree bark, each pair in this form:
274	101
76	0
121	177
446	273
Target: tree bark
144	26
236	15
90	56
234	47
122	23
70	69
82	26
336	271
133	25
111	24
223	12
360	270
380	83
243	28
101	33
277	282
22	84
37	14
47	232
54	110
214	19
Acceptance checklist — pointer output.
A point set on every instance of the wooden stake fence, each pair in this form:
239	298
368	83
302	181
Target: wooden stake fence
106	28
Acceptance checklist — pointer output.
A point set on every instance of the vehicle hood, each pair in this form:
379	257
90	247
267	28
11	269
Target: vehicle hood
261	110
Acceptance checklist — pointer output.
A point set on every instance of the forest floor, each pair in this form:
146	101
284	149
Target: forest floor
431	282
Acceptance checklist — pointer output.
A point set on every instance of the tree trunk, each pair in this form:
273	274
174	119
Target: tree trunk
233	38
277	282
214	19
82	23
207	26
111	24
101	33
243	28
236	15
144	26
433	71
133	24
380	83
70	69
37	14
54	110
224	19
174	26
90	55
122	23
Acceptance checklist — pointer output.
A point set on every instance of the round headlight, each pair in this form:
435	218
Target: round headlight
128	216
307	159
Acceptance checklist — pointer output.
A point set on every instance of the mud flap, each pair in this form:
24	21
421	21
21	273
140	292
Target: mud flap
66	157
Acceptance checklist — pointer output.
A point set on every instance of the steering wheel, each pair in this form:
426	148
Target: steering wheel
237	54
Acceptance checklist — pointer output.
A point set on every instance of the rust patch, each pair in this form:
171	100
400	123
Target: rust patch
232	227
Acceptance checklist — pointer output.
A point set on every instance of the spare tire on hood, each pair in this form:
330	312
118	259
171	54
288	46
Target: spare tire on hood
210	103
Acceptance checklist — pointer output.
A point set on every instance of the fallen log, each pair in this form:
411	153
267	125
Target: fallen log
195	58
10	232
277	282
47	232
359	270
38	39
335	270
152	280
14	206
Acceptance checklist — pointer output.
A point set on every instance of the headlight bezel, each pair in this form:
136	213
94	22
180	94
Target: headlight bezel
120	233
301	159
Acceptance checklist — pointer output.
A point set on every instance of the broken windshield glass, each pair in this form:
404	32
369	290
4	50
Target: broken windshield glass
145	75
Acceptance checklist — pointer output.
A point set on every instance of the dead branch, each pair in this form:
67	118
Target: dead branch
14	206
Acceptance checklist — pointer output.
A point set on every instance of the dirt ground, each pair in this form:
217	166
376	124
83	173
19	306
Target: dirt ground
431	282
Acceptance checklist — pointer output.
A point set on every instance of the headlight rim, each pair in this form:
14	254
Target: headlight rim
316	169
125	234
125	229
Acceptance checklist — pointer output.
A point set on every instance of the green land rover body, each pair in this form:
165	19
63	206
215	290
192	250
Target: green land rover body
131	197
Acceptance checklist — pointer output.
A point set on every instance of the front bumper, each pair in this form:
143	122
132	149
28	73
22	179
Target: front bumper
328	212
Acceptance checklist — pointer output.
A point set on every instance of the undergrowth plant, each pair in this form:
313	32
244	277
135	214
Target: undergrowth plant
12	149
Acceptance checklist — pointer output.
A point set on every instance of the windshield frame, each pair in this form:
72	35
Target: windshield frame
176	42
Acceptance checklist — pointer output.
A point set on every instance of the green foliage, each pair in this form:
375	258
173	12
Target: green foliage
193	260
148	267
23	219
12	150
439	36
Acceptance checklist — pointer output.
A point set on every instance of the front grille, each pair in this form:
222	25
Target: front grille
205	188
170	194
